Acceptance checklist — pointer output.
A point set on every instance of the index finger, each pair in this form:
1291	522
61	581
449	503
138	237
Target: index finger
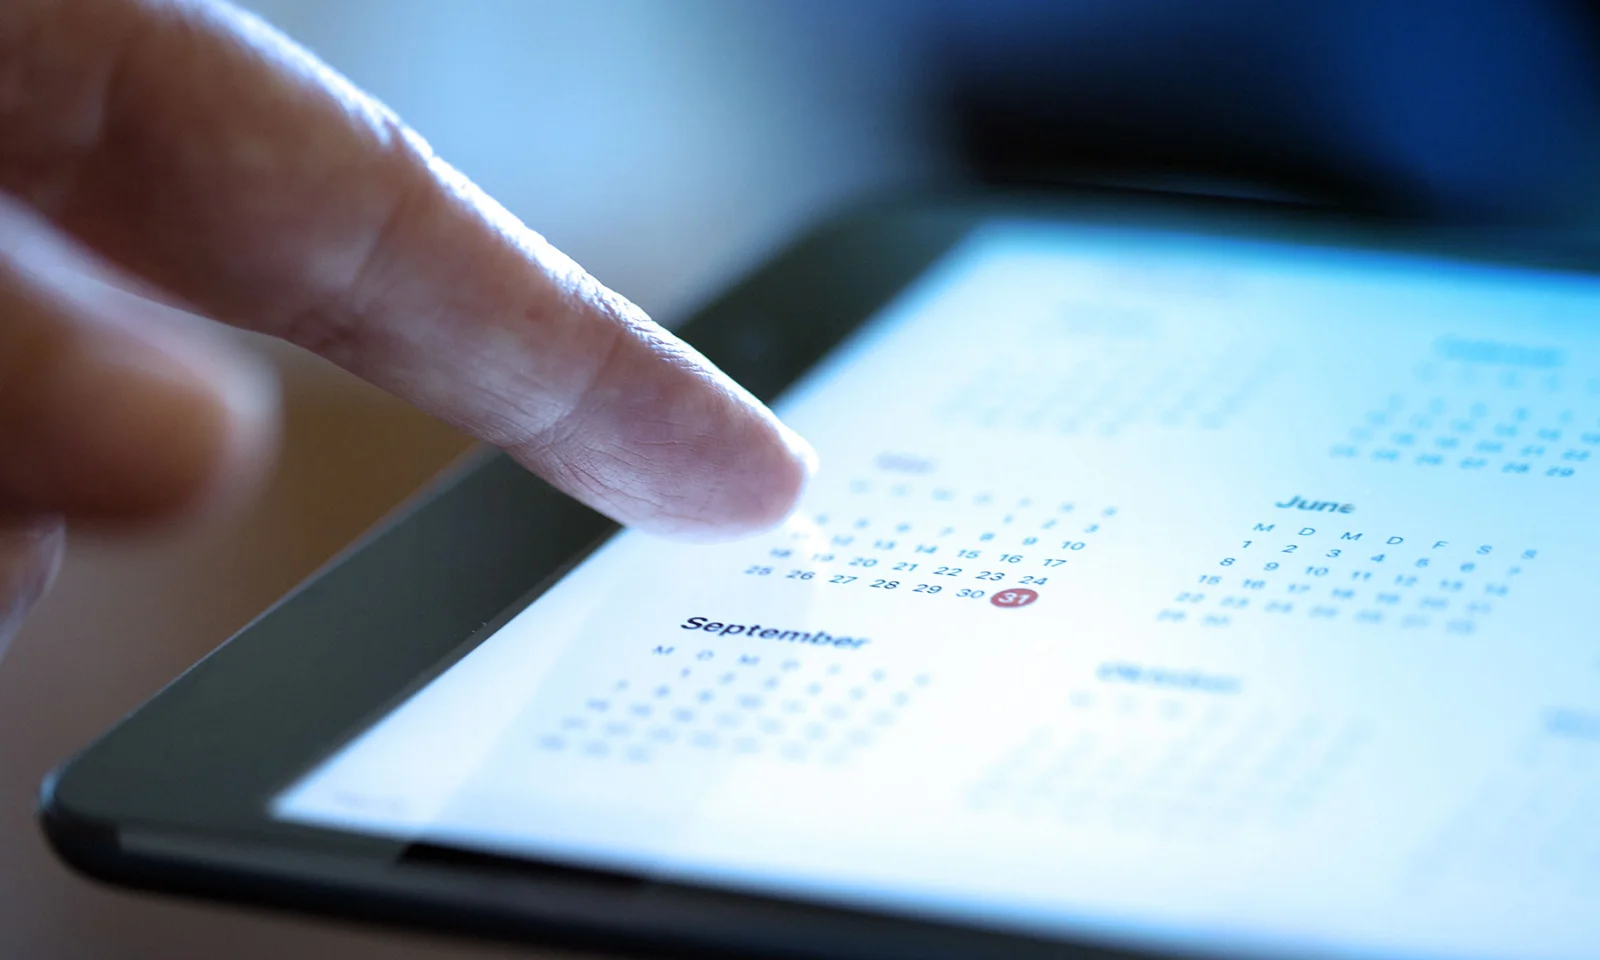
194	145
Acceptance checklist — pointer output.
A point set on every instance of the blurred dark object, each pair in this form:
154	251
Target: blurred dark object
1466	110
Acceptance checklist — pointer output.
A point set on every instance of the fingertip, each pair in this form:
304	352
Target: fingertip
776	481
192	432
801	449
148	428
758	489
664	442
246	389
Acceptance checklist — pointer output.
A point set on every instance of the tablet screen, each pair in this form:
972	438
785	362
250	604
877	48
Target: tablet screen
1199	593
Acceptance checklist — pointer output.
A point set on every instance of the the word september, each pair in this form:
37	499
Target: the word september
820	638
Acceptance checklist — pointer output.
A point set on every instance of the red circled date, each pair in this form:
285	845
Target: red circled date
1014	598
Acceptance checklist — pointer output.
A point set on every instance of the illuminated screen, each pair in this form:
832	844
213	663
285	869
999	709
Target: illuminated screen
1199	594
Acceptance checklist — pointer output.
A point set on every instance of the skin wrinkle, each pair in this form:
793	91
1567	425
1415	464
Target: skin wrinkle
587	403
695	499
563	413
544	443
522	402
679	502
579	473
688	443
537	401
334	326
684	500
688	502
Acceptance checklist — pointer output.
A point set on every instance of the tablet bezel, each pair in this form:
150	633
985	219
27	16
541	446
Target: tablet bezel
175	798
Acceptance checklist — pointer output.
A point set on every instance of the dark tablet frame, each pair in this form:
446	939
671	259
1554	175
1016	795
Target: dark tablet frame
175	797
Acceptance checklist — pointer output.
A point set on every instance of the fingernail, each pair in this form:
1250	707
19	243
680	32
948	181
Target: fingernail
174	430
803	450
194	357
29	557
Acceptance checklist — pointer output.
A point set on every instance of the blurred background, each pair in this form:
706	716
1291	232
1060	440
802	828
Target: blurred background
669	145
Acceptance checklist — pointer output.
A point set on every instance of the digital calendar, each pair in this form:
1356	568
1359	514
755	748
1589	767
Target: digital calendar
1196	584
704	699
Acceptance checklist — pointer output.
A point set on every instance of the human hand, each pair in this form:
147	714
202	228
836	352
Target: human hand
161	162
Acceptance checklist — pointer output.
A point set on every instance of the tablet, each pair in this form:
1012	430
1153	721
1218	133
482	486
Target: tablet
1180	579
